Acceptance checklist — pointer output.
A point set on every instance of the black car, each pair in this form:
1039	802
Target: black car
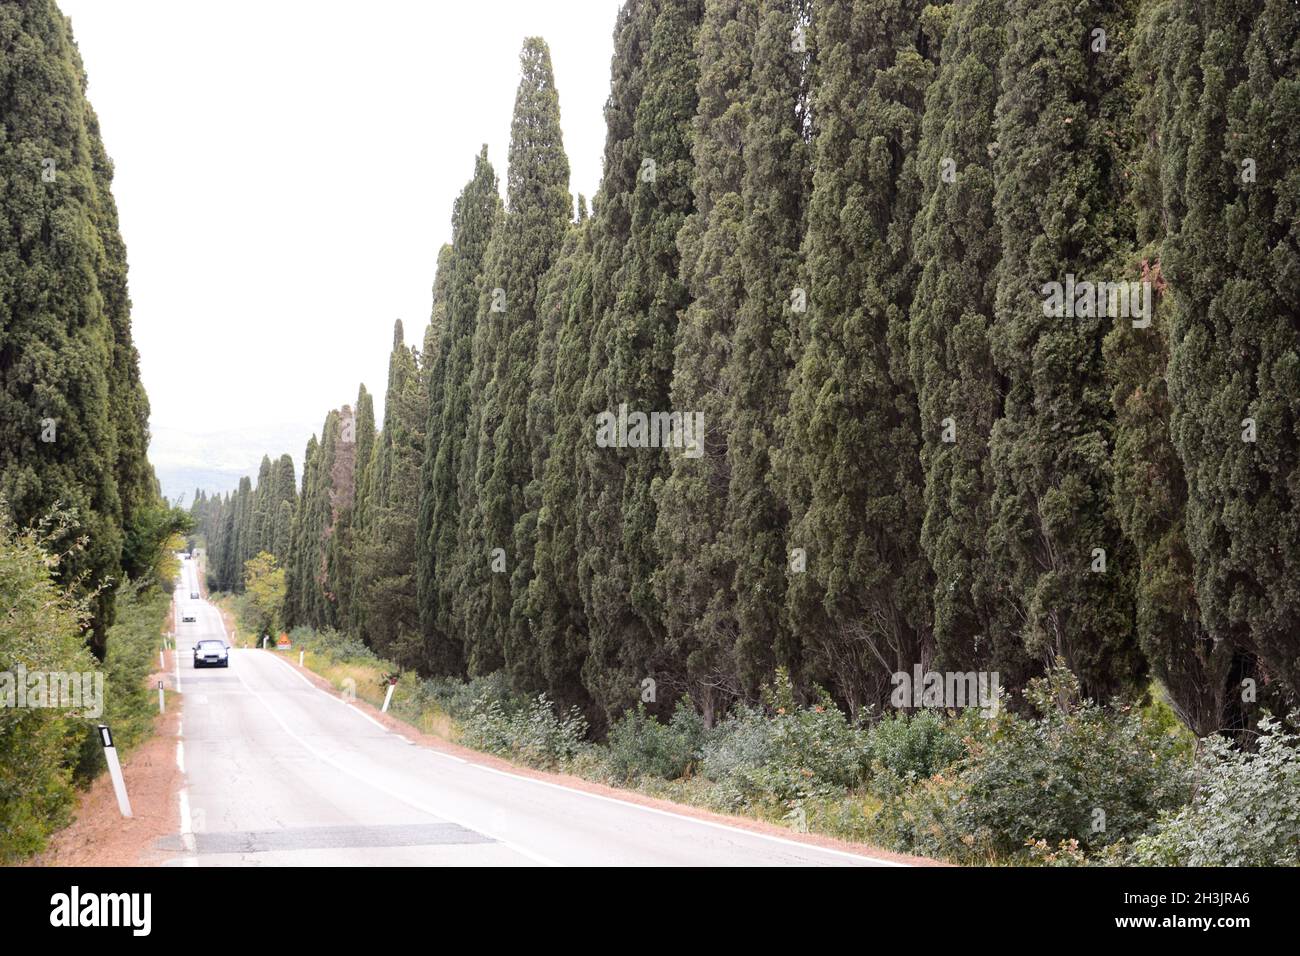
211	653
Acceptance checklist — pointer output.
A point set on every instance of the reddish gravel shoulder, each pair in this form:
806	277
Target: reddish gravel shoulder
99	836
588	786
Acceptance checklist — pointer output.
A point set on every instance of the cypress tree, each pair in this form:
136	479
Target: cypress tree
525	243
71	411
695	580
774	190
1062	563
959	390
443	562
385	553
435	361
645	199
560	430
859	585
1228	141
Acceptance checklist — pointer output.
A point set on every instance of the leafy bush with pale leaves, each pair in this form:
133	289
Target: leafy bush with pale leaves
1078	771
533	734
1246	811
786	753
638	745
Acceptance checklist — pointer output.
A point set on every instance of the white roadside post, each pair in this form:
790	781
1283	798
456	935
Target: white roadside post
300	656
265	638
114	769
162	704
388	697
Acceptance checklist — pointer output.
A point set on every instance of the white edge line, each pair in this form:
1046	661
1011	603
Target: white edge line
361	713
187	829
626	803
860	857
423	808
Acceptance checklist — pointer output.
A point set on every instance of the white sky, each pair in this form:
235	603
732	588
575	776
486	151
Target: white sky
285	172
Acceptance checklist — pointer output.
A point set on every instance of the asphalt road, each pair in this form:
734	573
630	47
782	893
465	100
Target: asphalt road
279	772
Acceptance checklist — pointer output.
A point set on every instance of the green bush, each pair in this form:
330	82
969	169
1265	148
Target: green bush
1246	811
913	746
533	734
638	745
41	630
1077	772
131	655
796	752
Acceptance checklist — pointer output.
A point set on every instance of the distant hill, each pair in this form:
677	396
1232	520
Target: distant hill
215	460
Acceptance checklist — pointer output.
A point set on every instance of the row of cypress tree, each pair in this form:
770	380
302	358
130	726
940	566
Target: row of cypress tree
74	416
827	225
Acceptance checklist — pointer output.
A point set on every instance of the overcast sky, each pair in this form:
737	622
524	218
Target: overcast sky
285	171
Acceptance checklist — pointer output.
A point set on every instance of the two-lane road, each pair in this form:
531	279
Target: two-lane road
278	771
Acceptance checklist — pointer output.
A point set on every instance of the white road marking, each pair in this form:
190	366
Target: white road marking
627	803
361	713
418	805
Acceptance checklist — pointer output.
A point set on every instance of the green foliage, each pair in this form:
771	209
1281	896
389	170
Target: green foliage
264	595
531	732
1246	810
444	617
640	745
910	747
130	701
786	753
849	464
73	414
40	630
1228	135
1078	771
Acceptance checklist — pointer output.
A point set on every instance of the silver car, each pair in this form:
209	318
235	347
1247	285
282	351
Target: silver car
211	653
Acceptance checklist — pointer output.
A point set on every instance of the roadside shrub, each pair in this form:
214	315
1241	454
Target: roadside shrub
534	734
1078	771
639	745
912	746
1246	811
131	655
335	645
40	631
456	697
795	753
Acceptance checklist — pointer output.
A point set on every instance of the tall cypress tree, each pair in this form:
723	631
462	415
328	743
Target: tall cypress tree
645	199
560	430
774	192
286	500
1062	563
694	583
435	361
441	569
858	587
959	390
526	242
1229	178
72	413
384	554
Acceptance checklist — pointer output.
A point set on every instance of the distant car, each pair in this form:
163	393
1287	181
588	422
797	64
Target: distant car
194	595
211	654
188	618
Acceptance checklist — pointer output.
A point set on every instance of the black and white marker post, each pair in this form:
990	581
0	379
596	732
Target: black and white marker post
114	769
